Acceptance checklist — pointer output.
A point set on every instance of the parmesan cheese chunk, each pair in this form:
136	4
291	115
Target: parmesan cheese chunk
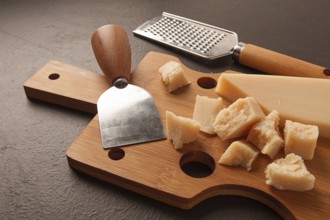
173	76
289	173
239	153
300	99
238	118
266	136
205	111
180	129
300	139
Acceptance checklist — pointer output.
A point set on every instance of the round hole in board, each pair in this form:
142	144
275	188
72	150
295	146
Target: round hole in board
116	154
54	76
197	164
207	82
326	72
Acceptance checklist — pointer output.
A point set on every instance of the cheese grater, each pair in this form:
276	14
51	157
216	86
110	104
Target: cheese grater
196	38
211	43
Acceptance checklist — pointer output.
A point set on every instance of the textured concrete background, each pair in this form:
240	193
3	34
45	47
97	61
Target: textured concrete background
35	179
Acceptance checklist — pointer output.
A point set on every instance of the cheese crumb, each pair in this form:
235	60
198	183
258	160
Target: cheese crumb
239	153
181	130
173	76
289	173
266	136
237	120
205	111
300	139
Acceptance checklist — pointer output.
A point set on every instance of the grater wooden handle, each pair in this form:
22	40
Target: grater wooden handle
112	51
279	64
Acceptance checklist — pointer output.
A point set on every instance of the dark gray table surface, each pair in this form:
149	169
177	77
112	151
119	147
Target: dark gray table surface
35	179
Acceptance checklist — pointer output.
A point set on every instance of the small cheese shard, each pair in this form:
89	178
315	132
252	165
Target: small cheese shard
301	99
180	129
300	139
239	153
289	173
236	120
205	111
266	136
173	76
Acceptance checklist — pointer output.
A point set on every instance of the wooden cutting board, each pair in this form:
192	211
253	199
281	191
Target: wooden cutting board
155	169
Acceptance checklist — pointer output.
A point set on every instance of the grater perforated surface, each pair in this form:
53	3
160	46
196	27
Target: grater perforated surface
196	38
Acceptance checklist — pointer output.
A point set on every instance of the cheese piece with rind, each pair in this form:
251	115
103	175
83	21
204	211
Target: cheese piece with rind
181	130
173	76
300	139
205	111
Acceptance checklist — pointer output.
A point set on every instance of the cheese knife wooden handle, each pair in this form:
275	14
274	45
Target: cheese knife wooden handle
112	51
278	64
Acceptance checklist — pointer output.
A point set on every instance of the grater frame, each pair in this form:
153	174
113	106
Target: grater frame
192	37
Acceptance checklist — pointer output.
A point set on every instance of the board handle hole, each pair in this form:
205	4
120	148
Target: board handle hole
116	154
207	82
54	76
197	164
326	72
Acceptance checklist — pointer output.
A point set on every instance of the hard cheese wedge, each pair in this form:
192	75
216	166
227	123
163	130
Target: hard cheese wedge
305	100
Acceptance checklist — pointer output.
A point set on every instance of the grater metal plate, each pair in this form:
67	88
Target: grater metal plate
193	37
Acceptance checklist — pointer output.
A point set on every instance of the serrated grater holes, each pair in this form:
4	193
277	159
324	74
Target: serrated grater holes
184	34
192	37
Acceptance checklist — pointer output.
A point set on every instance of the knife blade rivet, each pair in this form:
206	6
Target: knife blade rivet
120	83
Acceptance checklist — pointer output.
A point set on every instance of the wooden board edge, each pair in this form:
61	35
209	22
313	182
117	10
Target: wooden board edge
128	184
184	204
64	101
33	90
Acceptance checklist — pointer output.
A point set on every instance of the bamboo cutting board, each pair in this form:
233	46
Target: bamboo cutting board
156	169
